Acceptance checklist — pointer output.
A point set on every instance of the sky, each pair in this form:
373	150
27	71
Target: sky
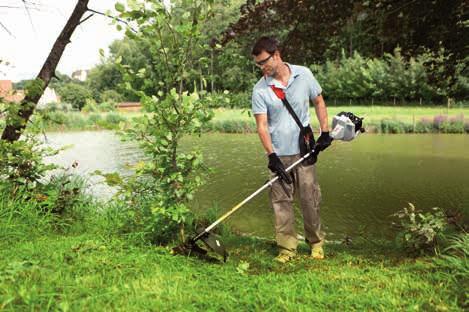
29	43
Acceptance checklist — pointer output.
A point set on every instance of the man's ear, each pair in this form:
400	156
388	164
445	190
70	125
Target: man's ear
277	54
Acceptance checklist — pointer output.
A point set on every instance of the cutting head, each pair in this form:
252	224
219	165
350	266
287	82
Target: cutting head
212	241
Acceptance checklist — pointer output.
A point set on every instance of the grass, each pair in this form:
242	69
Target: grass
85	265
371	113
93	273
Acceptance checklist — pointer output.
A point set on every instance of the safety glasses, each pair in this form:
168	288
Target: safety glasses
264	61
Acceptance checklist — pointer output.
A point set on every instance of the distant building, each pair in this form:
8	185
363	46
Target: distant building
8	94
80	74
49	96
129	106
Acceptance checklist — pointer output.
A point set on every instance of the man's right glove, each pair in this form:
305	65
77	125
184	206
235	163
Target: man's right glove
324	141
276	166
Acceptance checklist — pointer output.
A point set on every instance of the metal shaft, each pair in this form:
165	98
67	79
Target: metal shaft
269	183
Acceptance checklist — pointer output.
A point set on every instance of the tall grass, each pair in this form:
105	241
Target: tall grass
21	218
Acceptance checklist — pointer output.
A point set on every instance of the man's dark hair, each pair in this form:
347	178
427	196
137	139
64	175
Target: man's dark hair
267	44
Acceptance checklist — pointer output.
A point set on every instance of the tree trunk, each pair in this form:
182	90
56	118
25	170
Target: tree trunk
12	132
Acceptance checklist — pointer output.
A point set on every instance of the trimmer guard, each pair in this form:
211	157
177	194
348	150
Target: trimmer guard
213	242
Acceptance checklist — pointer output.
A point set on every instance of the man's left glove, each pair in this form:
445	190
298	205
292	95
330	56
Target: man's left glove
324	141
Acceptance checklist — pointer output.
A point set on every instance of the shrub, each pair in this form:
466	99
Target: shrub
90	106
94	119
394	126
107	107
22	162
64	107
114	119
438	121
57	117
61	193
75	94
111	96
138	213
419	232
425	125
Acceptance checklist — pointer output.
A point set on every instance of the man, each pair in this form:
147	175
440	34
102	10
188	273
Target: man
279	134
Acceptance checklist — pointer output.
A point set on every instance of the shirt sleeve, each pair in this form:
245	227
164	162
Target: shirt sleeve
314	87
258	103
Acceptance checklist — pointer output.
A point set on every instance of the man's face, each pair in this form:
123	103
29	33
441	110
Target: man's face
267	63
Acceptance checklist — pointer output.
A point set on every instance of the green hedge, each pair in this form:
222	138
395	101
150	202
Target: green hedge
393	78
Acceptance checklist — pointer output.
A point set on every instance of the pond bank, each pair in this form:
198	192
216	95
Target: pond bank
377	120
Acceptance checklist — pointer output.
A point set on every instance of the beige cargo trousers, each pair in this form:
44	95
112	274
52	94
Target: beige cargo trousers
305	185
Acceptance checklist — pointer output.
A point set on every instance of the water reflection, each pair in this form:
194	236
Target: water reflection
363	182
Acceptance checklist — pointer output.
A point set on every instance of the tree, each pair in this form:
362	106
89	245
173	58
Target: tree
18	118
107	75
75	94
168	177
318	29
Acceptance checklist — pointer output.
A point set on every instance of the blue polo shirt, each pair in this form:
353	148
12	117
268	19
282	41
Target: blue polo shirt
301	88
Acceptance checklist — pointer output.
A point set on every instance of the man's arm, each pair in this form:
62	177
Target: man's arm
321	113
263	132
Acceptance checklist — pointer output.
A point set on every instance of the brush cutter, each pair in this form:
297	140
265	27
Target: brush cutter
346	126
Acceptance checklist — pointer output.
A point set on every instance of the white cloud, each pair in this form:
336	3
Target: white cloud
31	44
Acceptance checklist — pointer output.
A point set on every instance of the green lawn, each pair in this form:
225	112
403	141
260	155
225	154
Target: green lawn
93	273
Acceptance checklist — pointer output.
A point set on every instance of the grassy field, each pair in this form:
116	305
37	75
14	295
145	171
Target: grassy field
89	272
382	119
371	113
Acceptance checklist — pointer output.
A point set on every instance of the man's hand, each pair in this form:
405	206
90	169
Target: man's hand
324	141
307	145
276	166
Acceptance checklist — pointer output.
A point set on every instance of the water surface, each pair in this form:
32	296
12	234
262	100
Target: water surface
363	182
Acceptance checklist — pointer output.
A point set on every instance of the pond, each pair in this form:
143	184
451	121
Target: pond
363	182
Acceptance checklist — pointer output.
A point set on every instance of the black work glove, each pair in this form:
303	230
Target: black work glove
276	166
324	141
307	145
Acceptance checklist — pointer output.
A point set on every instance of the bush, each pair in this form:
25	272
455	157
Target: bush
114	119
22	162
94	119
107	107
75	94
137	213
425	125
394	126
391	77
53	107
90	106
111	96
419	232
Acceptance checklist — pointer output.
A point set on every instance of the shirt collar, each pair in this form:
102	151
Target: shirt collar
271	81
